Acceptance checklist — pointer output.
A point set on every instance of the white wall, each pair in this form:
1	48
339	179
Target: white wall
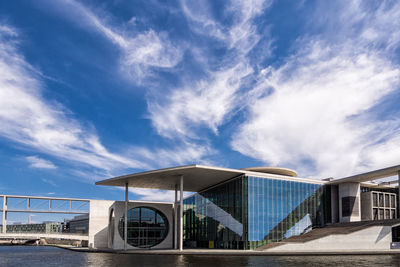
98	223
373	238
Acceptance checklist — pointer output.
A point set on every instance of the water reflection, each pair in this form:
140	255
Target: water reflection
49	256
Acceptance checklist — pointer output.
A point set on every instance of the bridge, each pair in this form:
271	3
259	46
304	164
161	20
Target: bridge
40	205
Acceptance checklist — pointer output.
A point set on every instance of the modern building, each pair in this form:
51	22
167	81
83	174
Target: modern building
77	225
45	227
236	209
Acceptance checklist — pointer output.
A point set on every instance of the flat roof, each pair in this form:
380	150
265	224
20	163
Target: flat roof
369	176
196	178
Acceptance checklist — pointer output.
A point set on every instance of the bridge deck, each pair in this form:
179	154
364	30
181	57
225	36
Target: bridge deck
42	235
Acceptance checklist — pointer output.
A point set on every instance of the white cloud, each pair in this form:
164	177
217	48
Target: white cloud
203	103
49	181
141	51
180	154
313	112
241	35
39	163
156	195
27	118
212	100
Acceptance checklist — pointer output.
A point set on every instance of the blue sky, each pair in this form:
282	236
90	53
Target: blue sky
91	90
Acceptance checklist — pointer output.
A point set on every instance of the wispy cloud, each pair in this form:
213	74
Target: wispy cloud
314	114
28	119
49	181
211	99
200	103
156	195
141	52
39	163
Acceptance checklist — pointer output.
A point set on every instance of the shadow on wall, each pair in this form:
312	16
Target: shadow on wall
383	233
101	238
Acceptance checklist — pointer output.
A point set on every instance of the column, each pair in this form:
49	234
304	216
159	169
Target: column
398	196
126	217
176	218
349	202
181	216
4	214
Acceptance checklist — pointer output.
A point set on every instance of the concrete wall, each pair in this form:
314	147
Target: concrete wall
98	223
349	190
366	206
373	238
119	210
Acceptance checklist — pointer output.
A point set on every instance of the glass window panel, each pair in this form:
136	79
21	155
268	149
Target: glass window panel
375	199
387	205
381	200
381	214
392	201
375	212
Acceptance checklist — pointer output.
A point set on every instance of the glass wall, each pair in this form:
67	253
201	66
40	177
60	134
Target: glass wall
215	218
279	209
248	212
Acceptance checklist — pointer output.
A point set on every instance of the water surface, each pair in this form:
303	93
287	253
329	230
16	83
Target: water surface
51	256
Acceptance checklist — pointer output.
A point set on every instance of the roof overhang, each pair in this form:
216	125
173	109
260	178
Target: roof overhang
195	178
369	176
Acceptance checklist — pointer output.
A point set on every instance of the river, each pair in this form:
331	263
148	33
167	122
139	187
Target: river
29	256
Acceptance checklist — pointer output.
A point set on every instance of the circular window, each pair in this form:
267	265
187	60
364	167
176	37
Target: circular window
147	227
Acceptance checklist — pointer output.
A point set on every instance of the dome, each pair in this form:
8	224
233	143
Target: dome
273	170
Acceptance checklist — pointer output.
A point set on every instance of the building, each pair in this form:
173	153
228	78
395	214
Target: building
236	209
45	227
77	225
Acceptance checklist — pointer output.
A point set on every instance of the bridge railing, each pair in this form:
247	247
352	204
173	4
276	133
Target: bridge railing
57	215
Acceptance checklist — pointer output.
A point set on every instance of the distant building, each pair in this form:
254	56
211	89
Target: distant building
45	227
78	225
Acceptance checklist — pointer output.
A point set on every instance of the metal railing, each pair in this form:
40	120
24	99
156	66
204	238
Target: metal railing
38	204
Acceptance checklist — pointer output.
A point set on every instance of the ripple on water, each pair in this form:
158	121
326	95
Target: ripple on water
51	256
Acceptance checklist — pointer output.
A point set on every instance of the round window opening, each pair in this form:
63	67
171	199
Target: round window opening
147	227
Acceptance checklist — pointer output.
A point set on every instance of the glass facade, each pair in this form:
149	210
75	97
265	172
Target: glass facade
147	227
215	218
248	212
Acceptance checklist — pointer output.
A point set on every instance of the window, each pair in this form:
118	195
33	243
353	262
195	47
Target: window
387	201
380	200
387	214
147	227
375	211
381	214
393	201
375	199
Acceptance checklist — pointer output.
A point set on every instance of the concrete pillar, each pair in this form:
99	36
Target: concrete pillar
181	216
334	204
398	196
349	202
126	217
176	218
4	214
